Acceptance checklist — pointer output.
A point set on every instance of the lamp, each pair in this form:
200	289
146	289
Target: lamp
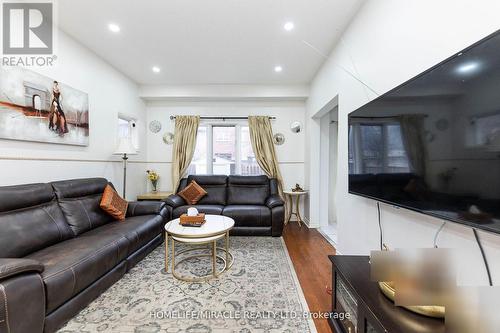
125	148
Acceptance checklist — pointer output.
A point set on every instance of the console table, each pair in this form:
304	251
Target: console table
370	311
153	196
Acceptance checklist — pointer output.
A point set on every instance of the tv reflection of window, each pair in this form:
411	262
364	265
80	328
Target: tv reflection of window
377	147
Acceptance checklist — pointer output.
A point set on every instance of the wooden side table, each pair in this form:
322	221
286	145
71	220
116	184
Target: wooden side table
153	196
290	195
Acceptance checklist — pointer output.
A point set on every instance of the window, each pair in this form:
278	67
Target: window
377	148
127	128
224	150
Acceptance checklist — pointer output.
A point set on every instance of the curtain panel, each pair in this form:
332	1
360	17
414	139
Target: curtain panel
412	128
261	136
186	130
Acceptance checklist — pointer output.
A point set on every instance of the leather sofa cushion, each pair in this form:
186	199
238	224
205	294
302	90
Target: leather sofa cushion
84	214
30	220
75	188
73	265
207	209
79	200
22	196
247	190
248	215
215	186
138	230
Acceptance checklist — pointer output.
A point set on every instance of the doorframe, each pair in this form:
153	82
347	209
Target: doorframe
315	161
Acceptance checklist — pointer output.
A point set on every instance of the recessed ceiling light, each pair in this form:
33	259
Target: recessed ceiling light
114	27
156	69
278	69
468	67
289	26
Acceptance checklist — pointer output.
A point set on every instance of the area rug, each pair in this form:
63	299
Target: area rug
260	293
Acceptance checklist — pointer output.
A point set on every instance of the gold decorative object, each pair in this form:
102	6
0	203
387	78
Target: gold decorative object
388	289
297	188
434	311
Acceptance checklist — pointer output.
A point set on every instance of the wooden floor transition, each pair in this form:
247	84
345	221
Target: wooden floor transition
308	250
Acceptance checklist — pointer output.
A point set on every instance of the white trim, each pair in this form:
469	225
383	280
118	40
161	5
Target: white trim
329	240
301	295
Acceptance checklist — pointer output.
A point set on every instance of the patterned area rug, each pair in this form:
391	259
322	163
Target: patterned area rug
260	293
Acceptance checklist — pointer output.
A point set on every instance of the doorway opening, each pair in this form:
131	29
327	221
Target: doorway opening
328	174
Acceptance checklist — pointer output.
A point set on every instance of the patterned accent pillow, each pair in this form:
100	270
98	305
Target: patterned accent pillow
192	193
113	204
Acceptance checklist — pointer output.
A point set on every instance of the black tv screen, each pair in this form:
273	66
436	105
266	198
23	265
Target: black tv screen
432	144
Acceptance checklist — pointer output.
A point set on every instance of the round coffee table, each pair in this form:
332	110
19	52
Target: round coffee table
216	227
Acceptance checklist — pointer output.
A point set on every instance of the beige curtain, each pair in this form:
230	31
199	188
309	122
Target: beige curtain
261	135
186	129
412	129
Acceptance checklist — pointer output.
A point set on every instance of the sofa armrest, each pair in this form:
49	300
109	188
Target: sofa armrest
13	266
22	296
274	201
175	201
137	208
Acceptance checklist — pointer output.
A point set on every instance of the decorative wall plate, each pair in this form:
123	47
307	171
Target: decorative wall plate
155	126
278	139
168	138
296	127
442	124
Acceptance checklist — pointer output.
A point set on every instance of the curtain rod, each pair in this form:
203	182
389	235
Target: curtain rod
224	118
382	117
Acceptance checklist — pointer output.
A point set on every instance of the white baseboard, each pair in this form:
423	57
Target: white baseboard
309	224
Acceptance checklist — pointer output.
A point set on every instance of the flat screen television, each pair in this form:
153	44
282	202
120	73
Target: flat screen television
432	144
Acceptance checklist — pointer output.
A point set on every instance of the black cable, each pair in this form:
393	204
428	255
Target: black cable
484	256
380	228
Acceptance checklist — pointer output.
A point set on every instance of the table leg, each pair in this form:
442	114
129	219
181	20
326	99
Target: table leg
289	201
227	248
299	218
173	256
214	258
166	252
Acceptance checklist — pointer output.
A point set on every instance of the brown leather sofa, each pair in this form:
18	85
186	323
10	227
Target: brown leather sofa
252	201
59	250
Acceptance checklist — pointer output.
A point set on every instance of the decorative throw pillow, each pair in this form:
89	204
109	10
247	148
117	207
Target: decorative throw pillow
192	193
113	204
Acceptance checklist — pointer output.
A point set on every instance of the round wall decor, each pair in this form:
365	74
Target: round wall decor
296	127
155	126
168	138
442	124
278	139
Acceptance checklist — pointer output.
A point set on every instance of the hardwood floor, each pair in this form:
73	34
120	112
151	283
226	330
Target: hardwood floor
308	250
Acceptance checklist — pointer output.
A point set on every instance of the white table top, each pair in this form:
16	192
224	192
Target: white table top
295	193
214	225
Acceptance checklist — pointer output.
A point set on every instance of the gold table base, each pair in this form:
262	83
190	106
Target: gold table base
228	260
290	210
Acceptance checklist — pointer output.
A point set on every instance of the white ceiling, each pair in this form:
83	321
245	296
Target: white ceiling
210	41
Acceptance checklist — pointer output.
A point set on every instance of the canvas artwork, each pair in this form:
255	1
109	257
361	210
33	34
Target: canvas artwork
34	107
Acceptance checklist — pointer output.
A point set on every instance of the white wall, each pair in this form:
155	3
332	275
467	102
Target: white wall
290	154
110	93
387	43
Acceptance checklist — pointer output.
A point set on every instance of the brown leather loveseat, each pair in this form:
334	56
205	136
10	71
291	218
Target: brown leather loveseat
59	250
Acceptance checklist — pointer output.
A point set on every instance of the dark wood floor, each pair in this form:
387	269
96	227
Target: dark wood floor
308	250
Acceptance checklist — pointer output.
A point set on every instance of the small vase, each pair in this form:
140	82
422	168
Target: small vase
155	184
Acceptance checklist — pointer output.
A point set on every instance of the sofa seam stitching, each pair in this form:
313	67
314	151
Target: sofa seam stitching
85	210
53	220
2	288
83	260
74	281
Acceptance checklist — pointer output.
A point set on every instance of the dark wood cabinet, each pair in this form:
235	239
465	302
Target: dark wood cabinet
360	307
